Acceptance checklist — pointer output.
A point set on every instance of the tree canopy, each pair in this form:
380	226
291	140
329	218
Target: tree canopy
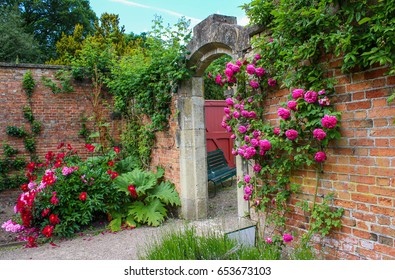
47	20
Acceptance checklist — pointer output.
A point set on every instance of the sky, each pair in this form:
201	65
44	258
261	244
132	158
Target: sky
137	15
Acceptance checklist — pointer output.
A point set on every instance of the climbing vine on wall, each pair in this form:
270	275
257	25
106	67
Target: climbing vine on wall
308	121
29	138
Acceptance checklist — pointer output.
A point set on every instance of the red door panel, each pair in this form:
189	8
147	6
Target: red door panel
216	135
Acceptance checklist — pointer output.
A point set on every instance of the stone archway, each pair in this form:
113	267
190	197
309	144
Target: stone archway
213	37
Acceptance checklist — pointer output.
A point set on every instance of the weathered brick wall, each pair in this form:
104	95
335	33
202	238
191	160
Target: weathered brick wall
360	169
166	152
60	114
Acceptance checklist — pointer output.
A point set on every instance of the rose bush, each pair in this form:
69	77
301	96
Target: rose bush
65	194
307	122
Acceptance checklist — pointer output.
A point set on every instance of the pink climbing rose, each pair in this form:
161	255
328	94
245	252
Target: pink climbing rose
297	93
250	69
287	237
310	96
291	134
319	134
292	105
283	113
254	84
329	121
260	71
242	129
320	157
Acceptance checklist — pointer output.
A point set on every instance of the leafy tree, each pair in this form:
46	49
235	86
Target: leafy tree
211	90
47	20
16	44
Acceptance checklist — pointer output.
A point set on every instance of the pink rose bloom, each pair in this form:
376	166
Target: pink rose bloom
329	121
247	138
321	92
297	93
277	131
245	114
287	238
238	63
226	110
310	96
235	68
233	136
257	167
247	178
252	115
256	133
265	144
236	114
242	129
260	71
320	157
229	128
218	80
291	134
319	134
229	101
223	124
257	56
249	152
248	190
250	69
271	82
324	101
234	152
254	84
229	65
254	142
292	105
229	72
268	240
283	113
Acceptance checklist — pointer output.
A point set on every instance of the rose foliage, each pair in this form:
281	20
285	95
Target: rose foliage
66	194
275	148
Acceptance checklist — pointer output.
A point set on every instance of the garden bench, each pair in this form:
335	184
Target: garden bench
218	169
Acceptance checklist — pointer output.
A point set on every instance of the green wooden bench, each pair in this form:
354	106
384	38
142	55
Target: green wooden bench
218	169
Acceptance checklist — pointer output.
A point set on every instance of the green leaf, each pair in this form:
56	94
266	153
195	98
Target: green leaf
362	21
115	224
142	180
153	213
166	193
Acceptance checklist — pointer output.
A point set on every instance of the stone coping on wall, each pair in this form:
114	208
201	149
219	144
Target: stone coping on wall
30	65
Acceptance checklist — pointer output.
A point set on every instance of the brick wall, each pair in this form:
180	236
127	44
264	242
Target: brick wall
60	114
360	169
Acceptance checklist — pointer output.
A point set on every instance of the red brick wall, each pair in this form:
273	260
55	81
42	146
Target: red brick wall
166	152
60	114
360	169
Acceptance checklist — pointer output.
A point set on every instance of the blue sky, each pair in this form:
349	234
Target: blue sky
137	15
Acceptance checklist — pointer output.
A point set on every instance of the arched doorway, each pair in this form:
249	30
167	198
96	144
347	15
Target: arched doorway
215	36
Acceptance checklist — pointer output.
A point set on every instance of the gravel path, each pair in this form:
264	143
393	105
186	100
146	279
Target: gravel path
124	245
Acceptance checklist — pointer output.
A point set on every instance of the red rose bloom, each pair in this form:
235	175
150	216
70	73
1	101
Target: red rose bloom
110	163
114	175
45	212
24	188
31	242
117	150
47	231
132	190
54	219
90	147
82	196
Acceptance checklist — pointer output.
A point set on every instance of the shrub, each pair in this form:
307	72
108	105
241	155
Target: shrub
66	194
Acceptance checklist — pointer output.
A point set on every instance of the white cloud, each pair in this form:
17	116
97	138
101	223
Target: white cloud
243	21
166	11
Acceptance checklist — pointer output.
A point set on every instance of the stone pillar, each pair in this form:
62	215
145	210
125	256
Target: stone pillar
193	157
242	205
